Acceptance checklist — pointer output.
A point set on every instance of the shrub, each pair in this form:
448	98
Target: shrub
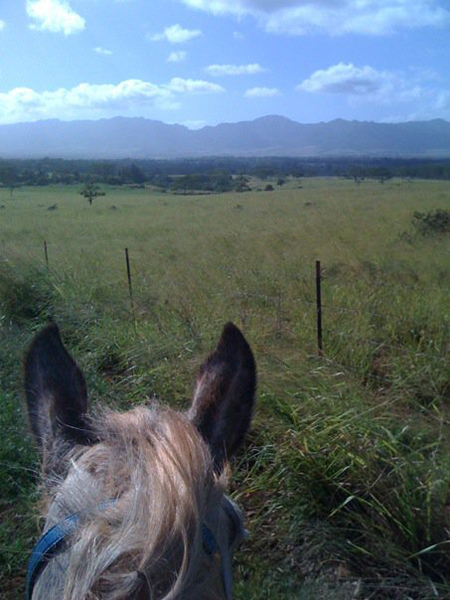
24	295
432	222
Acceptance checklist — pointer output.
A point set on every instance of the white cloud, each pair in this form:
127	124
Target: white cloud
221	7
175	34
194	124
361	82
410	95
345	79
335	17
177	56
221	70
180	86
88	100
103	51
55	16
442	104
262	92
434	104
2	25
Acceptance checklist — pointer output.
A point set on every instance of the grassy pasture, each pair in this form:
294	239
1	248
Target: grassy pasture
345	475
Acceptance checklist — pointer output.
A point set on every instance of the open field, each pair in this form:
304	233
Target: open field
345	476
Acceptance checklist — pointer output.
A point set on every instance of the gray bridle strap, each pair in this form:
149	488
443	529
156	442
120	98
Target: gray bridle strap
227	575
235	516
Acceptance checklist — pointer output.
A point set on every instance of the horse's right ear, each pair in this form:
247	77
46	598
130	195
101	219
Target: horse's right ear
55	391
224	395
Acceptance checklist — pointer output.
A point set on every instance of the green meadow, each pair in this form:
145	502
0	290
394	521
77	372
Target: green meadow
344	478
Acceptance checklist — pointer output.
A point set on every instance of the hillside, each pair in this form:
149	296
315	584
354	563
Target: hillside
123	137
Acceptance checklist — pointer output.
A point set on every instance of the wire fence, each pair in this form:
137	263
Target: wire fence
330	305
322	304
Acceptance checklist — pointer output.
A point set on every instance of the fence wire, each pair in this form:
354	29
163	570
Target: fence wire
279	300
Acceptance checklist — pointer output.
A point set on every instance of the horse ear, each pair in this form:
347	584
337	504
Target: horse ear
55	391
223	400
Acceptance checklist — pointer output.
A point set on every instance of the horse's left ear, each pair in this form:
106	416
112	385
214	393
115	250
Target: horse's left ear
224	395
55	390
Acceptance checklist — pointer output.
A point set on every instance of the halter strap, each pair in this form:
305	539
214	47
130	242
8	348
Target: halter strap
52	543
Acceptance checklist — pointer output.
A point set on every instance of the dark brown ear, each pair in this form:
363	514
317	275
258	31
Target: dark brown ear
55	390
223	400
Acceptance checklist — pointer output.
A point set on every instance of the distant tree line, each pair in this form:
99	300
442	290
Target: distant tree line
217	174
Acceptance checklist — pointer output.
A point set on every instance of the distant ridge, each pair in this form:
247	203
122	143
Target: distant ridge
123	137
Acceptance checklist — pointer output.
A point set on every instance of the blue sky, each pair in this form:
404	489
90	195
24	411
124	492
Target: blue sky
202	62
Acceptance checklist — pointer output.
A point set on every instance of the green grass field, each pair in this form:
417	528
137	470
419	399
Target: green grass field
345	475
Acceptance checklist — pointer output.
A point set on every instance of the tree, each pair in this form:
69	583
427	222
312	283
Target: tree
357	173
242	184
9	177
382	174
136	174
90	191
132	174
106	171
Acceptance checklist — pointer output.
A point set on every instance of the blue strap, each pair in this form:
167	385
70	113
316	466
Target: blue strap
47	547
52	543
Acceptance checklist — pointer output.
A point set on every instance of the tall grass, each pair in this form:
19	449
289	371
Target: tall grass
345	476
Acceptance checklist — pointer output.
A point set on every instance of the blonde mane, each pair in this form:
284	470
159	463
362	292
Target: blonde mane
159	472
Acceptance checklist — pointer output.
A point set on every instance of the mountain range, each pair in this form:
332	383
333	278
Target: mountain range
123	137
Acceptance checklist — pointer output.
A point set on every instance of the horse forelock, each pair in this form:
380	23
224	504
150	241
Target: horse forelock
156	476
